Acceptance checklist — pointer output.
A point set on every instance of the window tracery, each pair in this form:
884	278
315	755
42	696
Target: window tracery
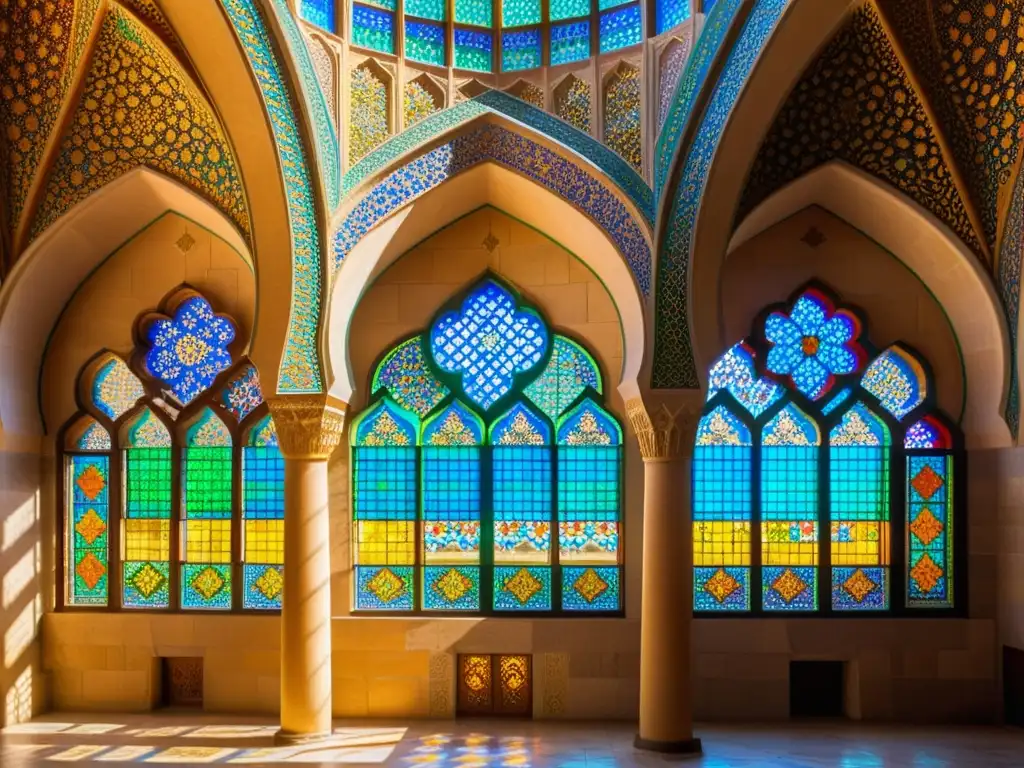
173	485
808	430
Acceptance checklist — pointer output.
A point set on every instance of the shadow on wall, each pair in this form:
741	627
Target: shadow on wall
21	588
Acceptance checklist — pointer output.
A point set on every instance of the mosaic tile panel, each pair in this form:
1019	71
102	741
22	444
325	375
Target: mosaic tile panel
622	114
870	117
451	588
418	103
674	367
620	29
669	71
319	116
103	144
300	368
708	47
1010	255
368	112
572	102
528	92
966	55
496	143
624	175
323	63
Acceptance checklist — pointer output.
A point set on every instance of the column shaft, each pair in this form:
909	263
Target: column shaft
306	612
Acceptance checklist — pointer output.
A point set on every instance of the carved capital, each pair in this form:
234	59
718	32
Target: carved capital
308	426
665	428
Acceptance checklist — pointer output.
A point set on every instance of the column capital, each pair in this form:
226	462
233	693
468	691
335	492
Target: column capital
308	426
665	426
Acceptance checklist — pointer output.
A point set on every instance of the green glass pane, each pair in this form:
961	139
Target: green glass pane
424	42
518	13
373	29
473	50
569	9
207	491
425	9
479	13
148	483
604	5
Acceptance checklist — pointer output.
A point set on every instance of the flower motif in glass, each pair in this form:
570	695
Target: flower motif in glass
424	42
264	434
455	425
520	427
569	371
588	424
488	342
385	424
243	395
408	379
93	438
187	351
734	371
319	12
813	344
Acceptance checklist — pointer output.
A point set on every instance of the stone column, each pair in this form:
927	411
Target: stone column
666	437
308	429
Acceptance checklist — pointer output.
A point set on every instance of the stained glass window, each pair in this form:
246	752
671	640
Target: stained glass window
570	42
519	13
520	50
568	9
473	50
319	12
479	13
831	438
452	516
158	512
424	42
620	28
373	29
426	9
670	13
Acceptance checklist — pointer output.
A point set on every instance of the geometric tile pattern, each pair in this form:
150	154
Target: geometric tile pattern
496	102
300	368
674	366
1011	251
498	144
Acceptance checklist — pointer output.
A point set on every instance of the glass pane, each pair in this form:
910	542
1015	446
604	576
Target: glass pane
427	9
424	42
88	521
263	543
520	50
930	531
519	13
568	9
373	29
243	394
897	380
620	28
116	389
147	528
570	42
319	12
473	50
479	13
859	511
590	589
722	513
671	13
604	5
206	531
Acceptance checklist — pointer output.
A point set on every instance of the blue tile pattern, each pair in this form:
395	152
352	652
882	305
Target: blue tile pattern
708	46
674	366
496	102
300	367
323	126
495	143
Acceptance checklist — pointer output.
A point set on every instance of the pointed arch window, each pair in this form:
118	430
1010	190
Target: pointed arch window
173	485
486	475
808	432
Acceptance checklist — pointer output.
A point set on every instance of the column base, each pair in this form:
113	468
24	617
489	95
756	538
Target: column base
285	738
686	748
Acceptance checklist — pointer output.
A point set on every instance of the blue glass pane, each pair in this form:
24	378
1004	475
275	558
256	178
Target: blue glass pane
569	370
384	589
570	42
519	13
620	28
930	531
473	50
789	588
188	351
588	424
671	13
588	483
590	589
708	5
520	50
897	380
522	589
860	589
734	371
384	483
838	399
487	342
426	9
319	12
479	13
568	9
522	483
451	588
373	29
383	425
721	589
263	483
451	483
424	42
927	433
388	5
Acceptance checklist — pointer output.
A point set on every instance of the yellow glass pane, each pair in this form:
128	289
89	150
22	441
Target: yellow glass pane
860	542
264	542
386	542
721	542
789	542
147	539
207	541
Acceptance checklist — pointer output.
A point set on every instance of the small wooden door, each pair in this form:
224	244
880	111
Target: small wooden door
183	682
493	685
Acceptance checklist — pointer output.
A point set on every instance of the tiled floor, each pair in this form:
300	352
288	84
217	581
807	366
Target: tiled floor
184	739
